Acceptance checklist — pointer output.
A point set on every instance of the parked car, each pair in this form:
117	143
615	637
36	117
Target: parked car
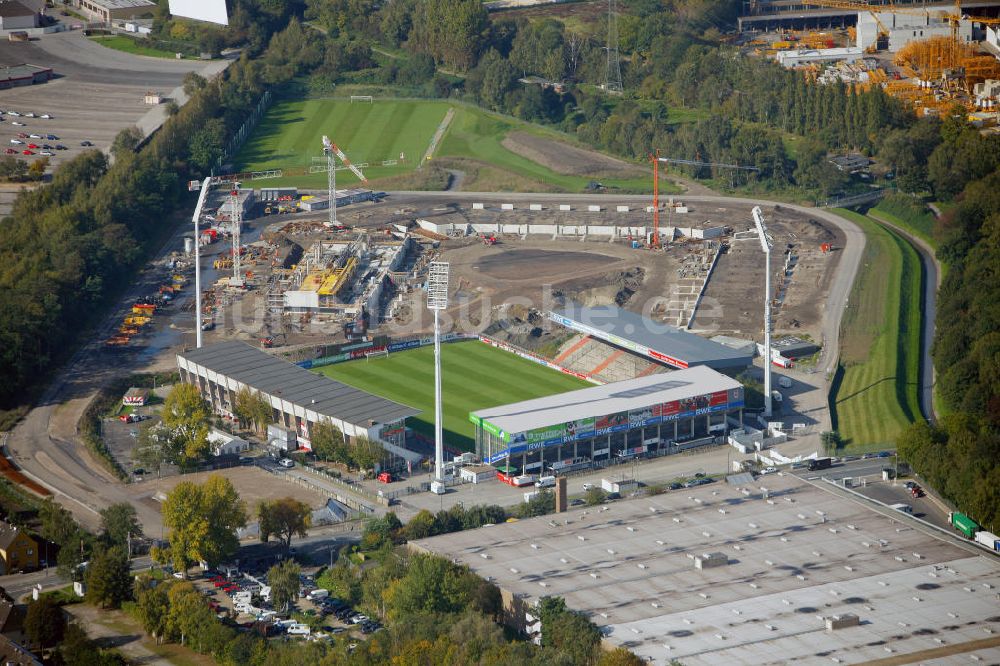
28	152
22	135
9	151
33	146
46	116
51	137
86	143
35	136
59	146
29	114
13	113
676	486
286	462
18	124
17	142
769	470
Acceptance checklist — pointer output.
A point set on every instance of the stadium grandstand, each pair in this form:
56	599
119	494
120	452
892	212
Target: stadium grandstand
299	399
630	332
662	413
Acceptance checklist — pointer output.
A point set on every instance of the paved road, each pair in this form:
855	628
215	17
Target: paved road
928	308
71	54
45	446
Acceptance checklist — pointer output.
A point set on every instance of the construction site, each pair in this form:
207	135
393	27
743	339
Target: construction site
934	57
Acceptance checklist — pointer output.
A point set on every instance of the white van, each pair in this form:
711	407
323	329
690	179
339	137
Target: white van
545	482
286	462
299	629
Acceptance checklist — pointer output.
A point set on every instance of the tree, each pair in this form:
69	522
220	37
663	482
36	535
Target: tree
419	526
189	616
366	453
44	622
284	581
252	409
193	82
36	171
154	446
108	579
119	524
568	631
186	414
152	605
283	518
126	141
594	496
207	144
203	521
620	657
328	442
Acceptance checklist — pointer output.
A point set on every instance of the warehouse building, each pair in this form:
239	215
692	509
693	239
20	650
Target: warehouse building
665	412
107	10
641	335
16	16
772	571
299	399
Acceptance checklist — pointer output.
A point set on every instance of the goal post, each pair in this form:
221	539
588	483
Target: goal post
362	98
377	353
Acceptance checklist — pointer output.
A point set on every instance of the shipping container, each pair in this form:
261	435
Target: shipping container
988	539
963	524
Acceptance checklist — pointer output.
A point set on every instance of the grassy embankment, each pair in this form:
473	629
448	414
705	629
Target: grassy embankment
875	391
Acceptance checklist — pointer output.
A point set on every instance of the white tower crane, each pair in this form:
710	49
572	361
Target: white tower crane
330	149
765	243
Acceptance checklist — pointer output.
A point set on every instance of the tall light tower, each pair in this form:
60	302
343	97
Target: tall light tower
765	243
437	300
613	69
331	181
196	218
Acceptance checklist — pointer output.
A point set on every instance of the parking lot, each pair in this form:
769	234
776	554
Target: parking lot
95	92
246	597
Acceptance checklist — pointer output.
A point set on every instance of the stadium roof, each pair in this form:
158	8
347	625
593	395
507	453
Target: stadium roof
608	399
287	381
642	335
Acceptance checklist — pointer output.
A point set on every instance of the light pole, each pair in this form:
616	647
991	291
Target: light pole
765	243
437	300
196	218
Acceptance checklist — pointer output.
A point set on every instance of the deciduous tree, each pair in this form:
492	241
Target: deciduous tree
284	581
44	623
119	523
284	518
187	414
108	580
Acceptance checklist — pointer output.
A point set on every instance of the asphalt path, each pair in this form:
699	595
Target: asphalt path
45	445
928	309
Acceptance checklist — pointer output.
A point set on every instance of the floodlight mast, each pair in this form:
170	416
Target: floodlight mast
196	218
765	244
437	300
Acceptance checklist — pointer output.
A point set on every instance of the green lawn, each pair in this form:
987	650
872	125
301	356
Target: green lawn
291	132
129	45
909	214
875	391
474	376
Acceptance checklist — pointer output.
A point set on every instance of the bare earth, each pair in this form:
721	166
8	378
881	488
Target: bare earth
568	160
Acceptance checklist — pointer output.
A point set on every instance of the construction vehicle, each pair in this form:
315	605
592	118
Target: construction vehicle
144	309
489	240
267	342
117	340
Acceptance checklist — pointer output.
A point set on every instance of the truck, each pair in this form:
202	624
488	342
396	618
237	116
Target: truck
820	463
988	539
964	524
523	480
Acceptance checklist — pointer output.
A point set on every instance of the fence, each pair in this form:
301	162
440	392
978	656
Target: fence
358	506
243	133
531	356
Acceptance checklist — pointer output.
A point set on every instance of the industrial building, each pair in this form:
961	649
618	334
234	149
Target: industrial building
671	413
24	75
772	571
299	399
903	28
108	10
344	198
662	343
16	16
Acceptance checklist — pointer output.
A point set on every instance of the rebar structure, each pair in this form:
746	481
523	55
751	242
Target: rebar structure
237	225
613	75
331	182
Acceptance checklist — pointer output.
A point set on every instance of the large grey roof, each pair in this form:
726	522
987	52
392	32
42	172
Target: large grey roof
607	399
621	327
297	385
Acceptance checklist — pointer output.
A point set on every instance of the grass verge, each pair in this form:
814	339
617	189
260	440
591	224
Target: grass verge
129	45
474	376
875	391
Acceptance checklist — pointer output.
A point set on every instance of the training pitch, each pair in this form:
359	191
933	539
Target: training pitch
291	135
474	376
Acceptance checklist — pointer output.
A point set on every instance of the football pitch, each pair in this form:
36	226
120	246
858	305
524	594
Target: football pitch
473	376
291	134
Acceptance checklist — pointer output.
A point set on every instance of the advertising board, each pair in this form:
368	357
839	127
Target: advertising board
213	11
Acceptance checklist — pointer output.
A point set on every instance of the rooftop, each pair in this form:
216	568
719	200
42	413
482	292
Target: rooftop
13	8
8	533
21	71
607	399
288	381
799	556
643	335
124	4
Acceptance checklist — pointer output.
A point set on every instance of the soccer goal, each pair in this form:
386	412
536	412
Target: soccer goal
377	353
362	98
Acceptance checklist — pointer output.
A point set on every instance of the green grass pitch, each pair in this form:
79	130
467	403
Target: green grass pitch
291	134
474	376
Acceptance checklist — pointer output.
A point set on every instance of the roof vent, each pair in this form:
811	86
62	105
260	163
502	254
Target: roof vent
711	560
641	565
677	520
484	556
564	560
659	542
535	546
842	621
707	535
752	526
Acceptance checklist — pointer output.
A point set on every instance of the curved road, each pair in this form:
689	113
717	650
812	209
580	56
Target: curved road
46	447
928	302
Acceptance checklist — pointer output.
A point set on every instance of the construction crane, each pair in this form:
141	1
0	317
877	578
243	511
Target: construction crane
656	159
851	5
330	149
